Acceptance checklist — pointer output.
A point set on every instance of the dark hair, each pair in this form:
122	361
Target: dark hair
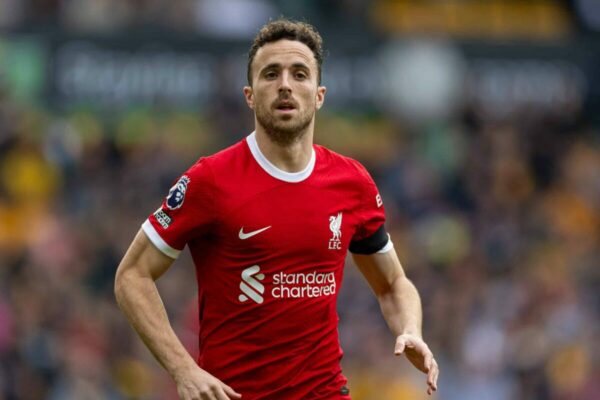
287	29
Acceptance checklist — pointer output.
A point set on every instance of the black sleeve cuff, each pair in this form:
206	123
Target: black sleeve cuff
372	244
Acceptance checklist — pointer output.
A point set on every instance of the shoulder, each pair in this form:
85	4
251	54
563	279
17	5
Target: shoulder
227	159
217	162
201	179
343	164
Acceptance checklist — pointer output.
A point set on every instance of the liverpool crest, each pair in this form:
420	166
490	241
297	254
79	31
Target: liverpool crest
335	225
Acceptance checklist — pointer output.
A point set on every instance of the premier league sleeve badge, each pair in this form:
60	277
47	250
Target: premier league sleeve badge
176	194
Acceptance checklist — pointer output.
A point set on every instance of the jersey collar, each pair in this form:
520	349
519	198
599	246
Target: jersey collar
273	170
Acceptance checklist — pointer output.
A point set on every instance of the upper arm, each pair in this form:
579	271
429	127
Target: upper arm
188	211
143	259
371	212
380	270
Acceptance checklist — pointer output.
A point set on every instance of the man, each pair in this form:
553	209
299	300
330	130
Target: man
268	222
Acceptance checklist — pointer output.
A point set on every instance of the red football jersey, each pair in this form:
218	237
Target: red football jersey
269	248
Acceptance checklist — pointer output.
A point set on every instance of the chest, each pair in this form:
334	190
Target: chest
291	221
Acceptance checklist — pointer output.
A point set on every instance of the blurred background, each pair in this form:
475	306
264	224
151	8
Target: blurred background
478	119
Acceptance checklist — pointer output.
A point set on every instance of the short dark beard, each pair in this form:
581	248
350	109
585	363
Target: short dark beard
281	133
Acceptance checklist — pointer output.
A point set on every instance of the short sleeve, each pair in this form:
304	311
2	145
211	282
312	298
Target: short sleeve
370	235
186	212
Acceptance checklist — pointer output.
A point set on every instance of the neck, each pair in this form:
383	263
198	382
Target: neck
292	157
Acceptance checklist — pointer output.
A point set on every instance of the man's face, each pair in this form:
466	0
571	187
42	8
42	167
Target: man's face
285	93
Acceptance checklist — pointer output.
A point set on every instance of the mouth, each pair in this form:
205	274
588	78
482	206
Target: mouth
285	106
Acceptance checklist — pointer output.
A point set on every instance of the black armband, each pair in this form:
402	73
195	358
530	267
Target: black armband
372	244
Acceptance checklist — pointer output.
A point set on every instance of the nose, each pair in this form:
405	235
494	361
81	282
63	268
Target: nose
284	83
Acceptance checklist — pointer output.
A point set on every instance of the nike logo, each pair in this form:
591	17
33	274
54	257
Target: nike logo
245	236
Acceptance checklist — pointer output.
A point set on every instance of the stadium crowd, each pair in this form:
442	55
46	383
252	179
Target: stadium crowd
497	222
228	18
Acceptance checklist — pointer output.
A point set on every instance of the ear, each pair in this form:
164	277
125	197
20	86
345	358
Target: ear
249	96
321	96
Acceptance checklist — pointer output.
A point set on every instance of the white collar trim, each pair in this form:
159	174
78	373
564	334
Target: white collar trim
273	170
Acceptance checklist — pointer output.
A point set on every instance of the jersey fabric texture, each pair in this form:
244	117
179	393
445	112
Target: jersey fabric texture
269	249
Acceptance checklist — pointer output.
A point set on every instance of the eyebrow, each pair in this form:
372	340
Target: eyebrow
278	66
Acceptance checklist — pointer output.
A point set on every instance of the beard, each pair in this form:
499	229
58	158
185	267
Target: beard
283	131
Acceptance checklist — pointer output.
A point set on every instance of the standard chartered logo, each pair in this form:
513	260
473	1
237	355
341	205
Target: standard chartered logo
300	285
250	285
286	285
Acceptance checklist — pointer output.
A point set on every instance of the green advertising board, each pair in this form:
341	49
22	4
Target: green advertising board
23	63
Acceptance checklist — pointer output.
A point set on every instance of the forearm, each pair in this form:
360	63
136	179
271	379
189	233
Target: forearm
401	307
398	298
140	301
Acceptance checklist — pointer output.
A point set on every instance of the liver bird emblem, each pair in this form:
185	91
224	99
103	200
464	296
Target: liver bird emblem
335	224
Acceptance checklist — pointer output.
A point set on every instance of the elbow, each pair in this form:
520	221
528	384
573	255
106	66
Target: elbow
383	290
393	287
129	281
120	286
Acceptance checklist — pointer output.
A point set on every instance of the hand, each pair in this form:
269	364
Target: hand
420	356
198	384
